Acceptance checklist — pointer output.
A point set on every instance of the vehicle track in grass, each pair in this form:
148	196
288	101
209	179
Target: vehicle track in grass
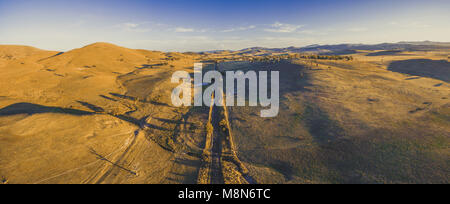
221	164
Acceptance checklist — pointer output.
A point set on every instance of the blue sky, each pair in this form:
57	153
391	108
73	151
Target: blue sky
198	25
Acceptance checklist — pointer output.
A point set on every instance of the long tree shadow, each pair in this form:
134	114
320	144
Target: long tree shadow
123	96
100	157
150	66
141	123
94	108
437	69
57	54
30	109
108	98
133	99
177	122
124	117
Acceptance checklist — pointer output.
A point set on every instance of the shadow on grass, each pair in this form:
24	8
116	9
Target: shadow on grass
100	157
386	53
30	109
132	98
108	98
436	69
57	54
92	107
123	96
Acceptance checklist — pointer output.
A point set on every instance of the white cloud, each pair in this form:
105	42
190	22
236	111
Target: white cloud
132	27
418	25
242	28
393	23
189	30
358	29
184	30
278	27
414	24
312	32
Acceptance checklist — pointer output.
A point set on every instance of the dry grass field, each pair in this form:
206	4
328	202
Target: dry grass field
103	114
372	120
98	114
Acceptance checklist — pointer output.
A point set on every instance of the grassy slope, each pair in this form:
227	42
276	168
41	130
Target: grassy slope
349	123
73	117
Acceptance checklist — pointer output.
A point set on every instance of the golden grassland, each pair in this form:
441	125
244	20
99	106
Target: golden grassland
98	114
354	121
102	114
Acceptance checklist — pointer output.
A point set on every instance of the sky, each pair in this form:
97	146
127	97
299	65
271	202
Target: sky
201	25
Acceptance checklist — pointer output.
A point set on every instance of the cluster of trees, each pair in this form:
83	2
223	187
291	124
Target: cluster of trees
270	59
172	58
327	57
279	58
160	64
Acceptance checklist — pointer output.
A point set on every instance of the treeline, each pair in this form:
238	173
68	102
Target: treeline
281	58
327	57
170	58
296	56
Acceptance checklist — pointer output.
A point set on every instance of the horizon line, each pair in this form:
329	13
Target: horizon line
311	45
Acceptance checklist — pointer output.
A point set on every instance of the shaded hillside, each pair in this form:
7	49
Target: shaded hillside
438	69
347	122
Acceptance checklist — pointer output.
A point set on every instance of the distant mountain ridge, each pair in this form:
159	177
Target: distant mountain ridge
336	49
346	48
